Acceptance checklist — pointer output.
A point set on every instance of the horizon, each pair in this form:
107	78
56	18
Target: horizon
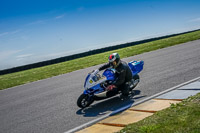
73	53
35	31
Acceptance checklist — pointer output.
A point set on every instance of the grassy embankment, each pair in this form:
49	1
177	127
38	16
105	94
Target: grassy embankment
23	77
183	117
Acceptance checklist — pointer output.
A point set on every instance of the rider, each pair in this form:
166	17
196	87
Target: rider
123	73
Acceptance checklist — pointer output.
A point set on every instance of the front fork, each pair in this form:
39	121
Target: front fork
90	96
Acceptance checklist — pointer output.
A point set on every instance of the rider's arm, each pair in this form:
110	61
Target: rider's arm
121	78
107	65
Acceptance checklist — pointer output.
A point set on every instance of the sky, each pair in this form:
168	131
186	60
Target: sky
37	30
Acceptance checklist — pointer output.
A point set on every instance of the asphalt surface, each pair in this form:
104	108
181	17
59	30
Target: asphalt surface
50	105
143	109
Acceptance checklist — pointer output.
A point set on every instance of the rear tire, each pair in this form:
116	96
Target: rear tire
84	101
136	80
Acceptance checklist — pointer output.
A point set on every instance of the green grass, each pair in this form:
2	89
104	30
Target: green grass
23	77
183	117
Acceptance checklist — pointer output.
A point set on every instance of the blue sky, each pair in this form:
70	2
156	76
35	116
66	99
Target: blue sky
37	30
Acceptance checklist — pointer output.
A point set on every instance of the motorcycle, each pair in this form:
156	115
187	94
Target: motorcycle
95	84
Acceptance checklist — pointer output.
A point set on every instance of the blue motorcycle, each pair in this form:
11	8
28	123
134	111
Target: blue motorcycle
96	84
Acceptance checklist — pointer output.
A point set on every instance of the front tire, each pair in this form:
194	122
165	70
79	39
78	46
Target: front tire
84	101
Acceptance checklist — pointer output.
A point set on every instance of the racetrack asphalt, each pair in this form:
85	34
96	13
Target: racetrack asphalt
50	105
142	109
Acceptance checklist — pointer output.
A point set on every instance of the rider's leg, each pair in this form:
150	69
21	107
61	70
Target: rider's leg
125	88
111	93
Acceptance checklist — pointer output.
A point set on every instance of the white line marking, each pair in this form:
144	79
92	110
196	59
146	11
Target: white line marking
134	104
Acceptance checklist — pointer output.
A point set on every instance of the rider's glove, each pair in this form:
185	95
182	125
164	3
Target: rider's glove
110	87
96	71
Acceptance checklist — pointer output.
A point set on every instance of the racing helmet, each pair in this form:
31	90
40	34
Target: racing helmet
114	57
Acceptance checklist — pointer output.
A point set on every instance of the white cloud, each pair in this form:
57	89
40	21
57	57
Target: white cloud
15	31
10	32
60	16
24	56
81	8
37	22
194	20
6	54
3	34
24	37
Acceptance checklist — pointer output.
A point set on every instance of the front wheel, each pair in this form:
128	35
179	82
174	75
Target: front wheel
84	101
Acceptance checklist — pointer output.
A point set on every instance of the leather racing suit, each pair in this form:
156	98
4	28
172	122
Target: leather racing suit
124	76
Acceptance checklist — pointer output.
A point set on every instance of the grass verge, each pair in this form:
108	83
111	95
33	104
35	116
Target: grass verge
23	77
183	117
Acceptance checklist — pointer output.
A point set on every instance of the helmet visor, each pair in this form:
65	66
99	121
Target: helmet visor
111	58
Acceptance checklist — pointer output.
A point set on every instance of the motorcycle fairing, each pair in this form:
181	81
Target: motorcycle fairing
136	66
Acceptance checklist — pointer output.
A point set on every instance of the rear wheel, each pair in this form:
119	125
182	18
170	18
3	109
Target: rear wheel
135	81
84	101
